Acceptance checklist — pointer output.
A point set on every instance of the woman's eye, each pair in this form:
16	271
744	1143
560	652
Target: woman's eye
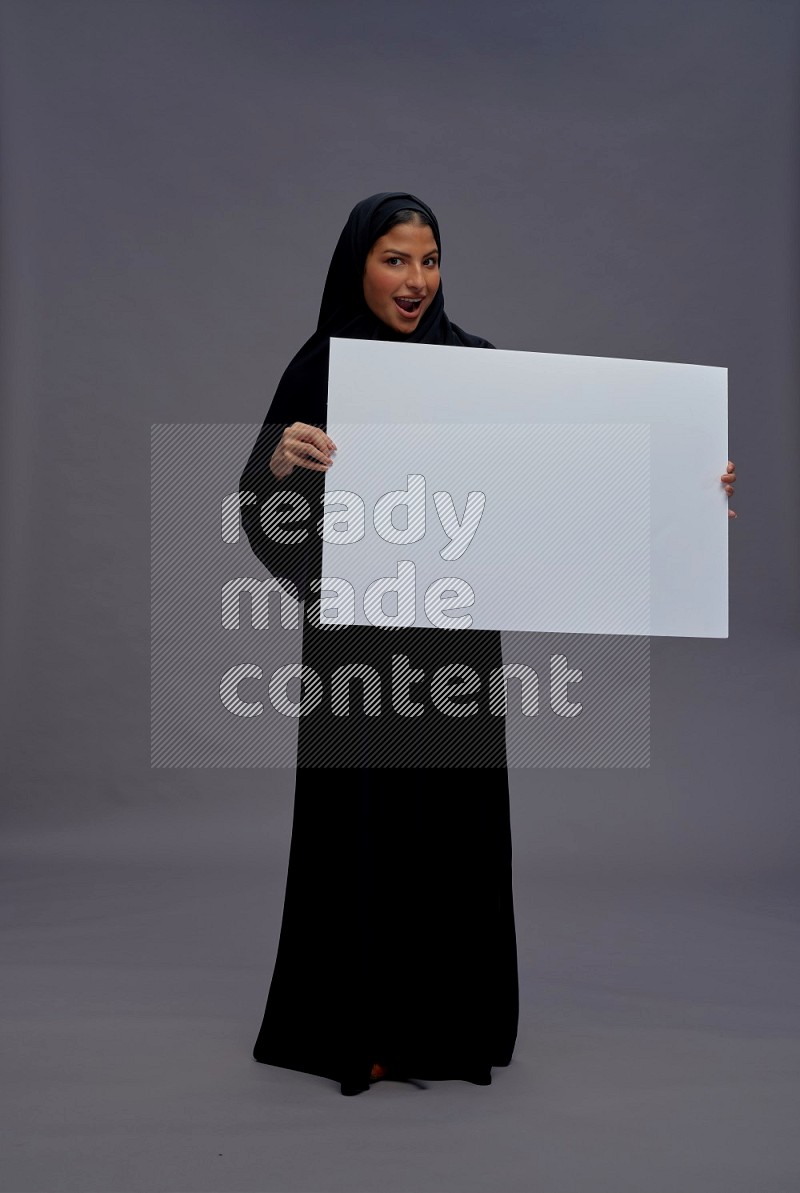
430	261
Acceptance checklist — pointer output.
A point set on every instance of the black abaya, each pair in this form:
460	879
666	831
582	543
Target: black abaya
397	942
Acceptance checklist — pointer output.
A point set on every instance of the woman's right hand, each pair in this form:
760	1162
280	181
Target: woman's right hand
304	446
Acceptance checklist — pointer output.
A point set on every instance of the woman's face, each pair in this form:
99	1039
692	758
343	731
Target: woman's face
401	276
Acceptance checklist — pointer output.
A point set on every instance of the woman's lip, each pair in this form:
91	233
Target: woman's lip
408	314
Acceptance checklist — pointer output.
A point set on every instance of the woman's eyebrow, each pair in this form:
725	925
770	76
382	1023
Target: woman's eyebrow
400	253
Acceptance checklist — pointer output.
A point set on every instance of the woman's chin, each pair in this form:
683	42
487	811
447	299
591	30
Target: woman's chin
404	326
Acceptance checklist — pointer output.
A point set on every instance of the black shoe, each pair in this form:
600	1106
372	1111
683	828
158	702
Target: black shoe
391	1074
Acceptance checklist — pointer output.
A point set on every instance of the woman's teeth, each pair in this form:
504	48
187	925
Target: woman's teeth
409	305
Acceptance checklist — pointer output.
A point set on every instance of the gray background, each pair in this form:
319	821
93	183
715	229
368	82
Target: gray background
614	178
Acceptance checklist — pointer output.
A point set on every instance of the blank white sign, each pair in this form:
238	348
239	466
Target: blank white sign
525	491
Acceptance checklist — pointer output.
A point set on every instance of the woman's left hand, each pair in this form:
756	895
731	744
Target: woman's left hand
727	478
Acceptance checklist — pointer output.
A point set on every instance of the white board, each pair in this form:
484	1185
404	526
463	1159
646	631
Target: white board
596	508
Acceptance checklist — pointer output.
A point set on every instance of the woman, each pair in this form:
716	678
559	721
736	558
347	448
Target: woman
397	953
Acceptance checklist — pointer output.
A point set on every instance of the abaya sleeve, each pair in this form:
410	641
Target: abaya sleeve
273	510
281	517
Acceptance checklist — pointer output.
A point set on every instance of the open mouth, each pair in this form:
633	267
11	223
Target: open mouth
408	306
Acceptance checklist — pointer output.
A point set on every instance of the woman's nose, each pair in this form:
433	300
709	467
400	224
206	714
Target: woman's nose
415	277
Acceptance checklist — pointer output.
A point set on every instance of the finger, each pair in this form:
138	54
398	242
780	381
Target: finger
731	465
317	435
304	461
732	514
321	437
729	489
309	434
728	476
306	447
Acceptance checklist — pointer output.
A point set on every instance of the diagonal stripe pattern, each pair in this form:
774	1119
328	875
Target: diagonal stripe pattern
228	688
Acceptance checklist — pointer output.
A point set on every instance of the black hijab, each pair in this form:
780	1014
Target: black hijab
302	394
